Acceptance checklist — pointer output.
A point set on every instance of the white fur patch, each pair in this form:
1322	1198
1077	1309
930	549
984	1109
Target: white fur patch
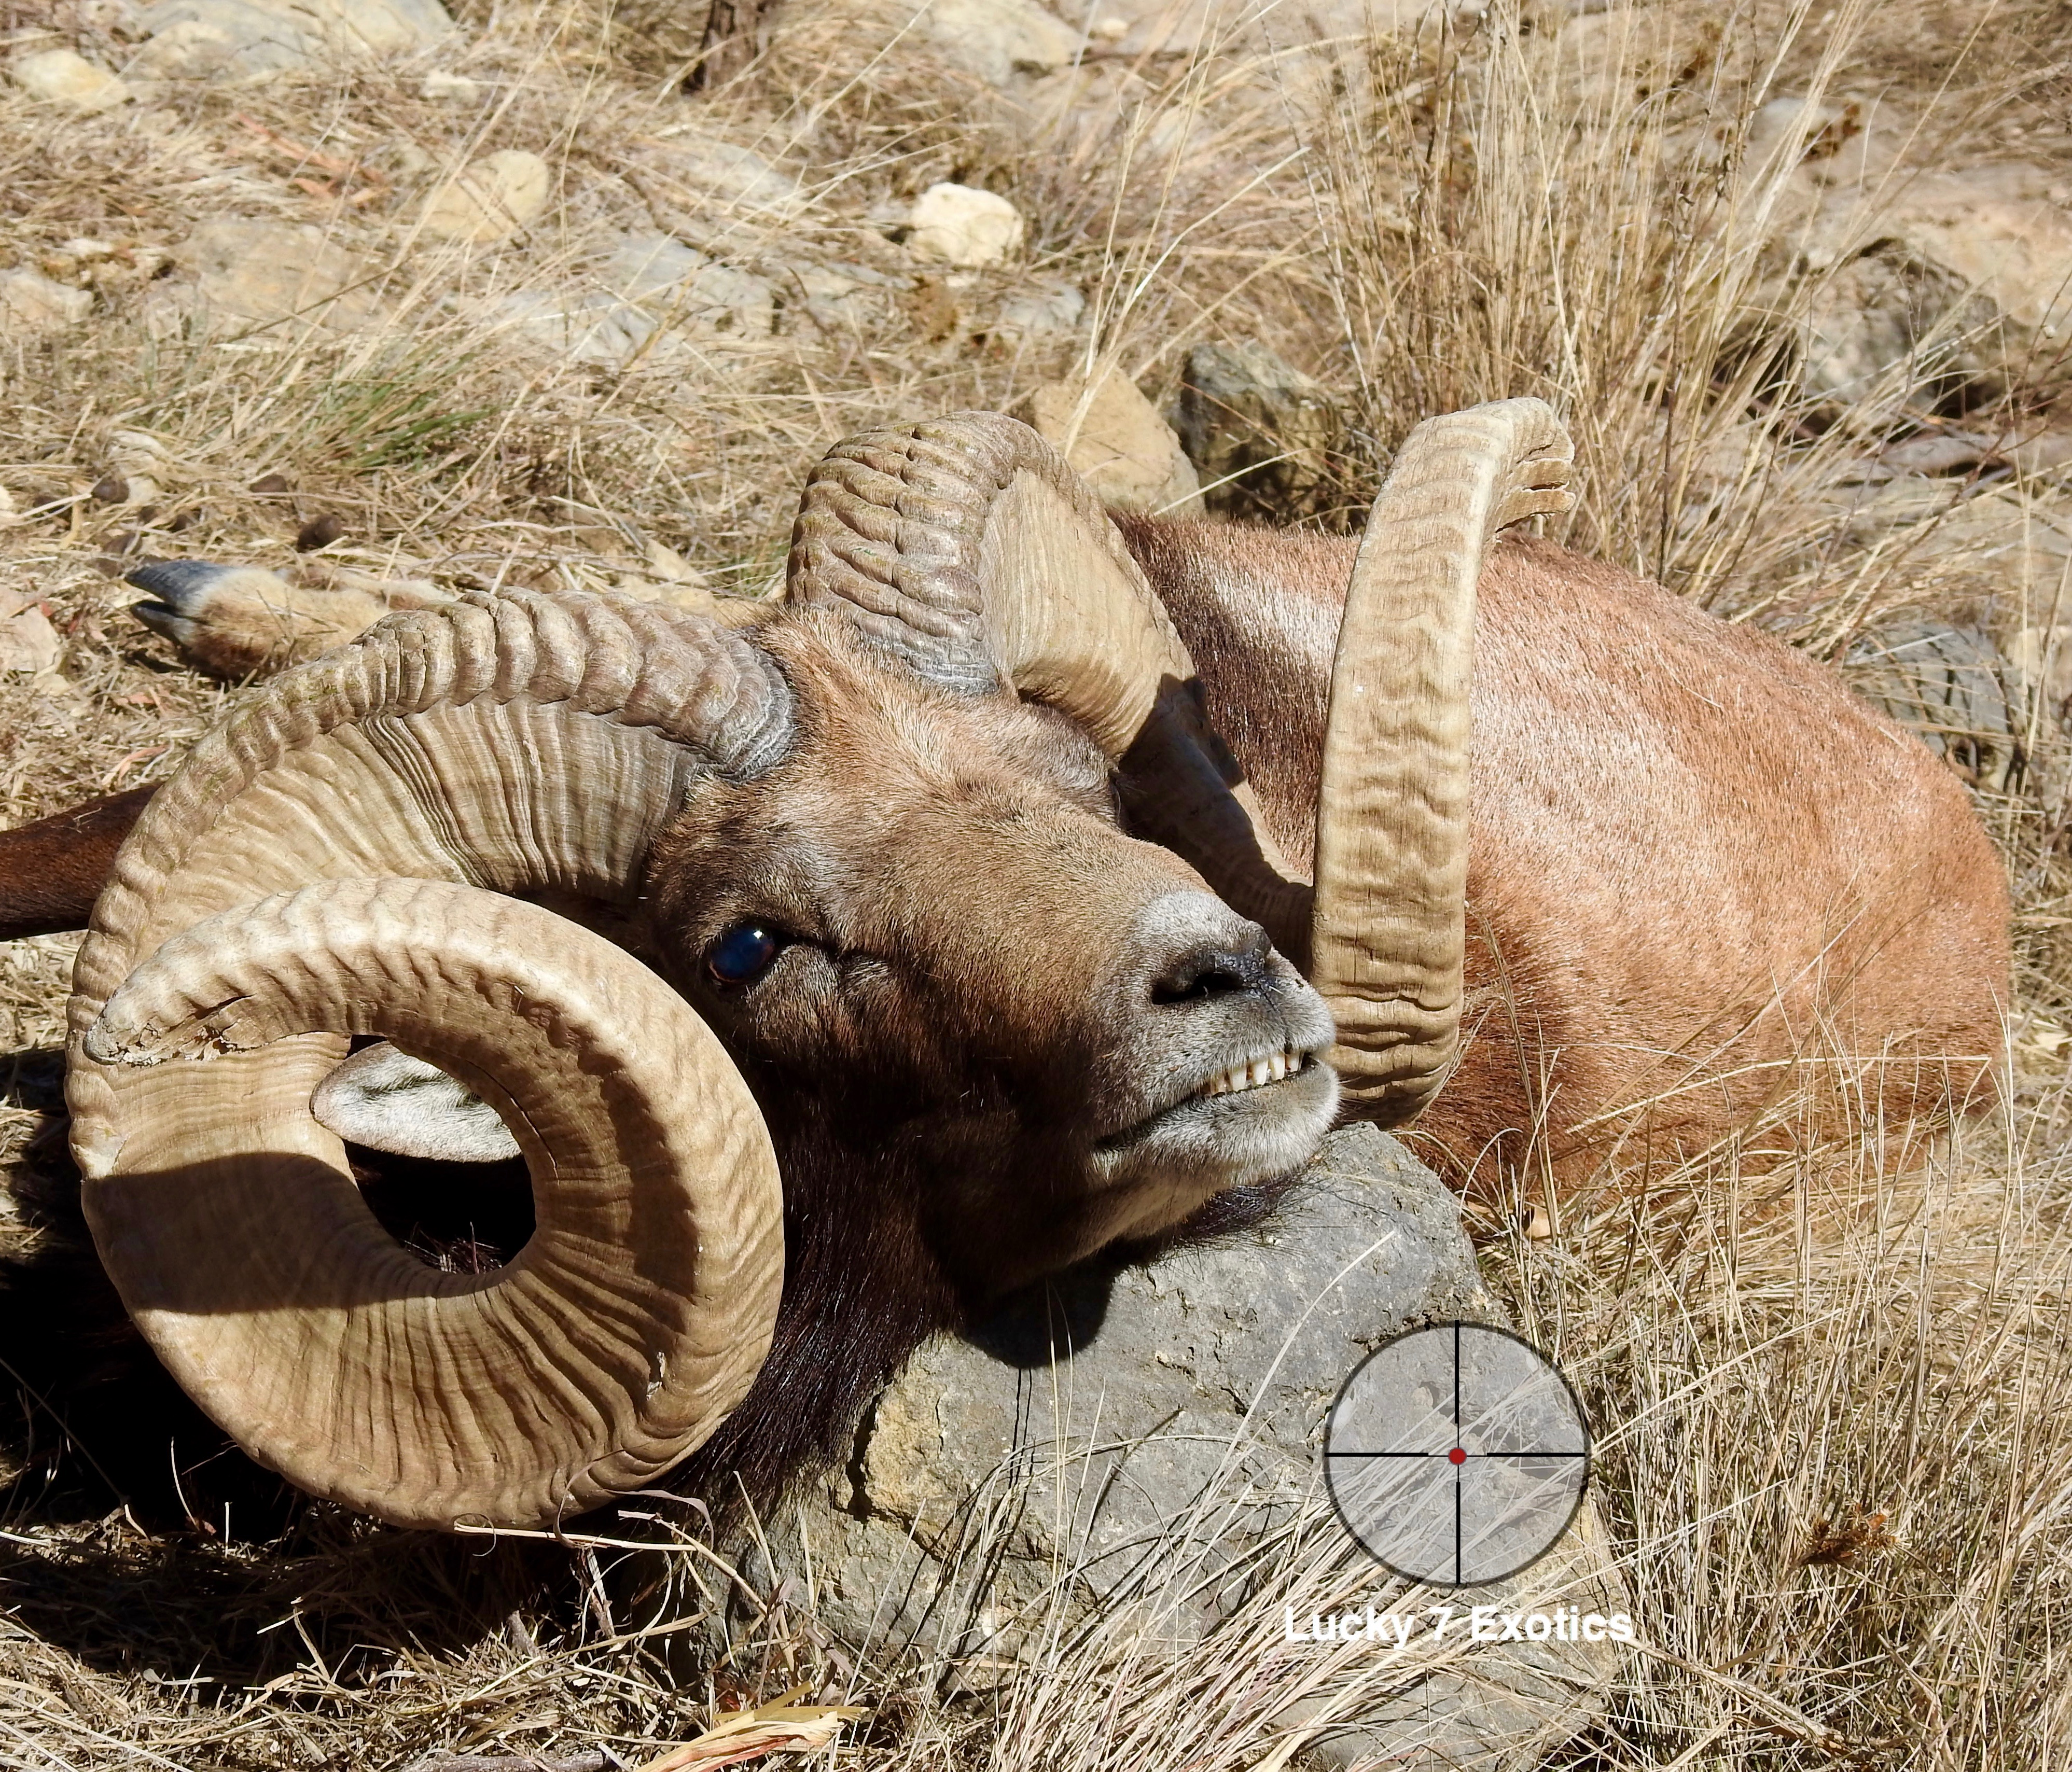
387	1100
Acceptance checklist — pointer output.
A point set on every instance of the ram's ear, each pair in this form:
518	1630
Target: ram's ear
385	1100
967	547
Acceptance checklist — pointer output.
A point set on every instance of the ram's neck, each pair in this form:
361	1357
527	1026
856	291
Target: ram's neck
1260	611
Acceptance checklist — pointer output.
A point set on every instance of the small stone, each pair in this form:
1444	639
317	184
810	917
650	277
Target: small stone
494	198
1117	442
450	88
28	642
1259	431
707	167
247	273
57	76
270	485
1041	314
997	39
30	302
958	224
319	531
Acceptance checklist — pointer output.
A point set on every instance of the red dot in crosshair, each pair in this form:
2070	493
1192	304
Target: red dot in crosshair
1458	1456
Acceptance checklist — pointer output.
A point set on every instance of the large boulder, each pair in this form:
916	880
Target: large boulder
1127	1460
1959	286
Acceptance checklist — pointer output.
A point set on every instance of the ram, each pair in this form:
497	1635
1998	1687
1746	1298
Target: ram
1017	885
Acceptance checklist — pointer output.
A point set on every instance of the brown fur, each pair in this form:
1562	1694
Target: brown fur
1695	855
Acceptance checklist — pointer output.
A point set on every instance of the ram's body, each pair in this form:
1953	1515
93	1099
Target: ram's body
1700	867
891	841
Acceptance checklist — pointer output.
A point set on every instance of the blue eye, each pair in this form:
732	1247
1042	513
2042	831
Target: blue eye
742	953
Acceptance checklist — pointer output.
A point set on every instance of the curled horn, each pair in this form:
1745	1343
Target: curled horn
333	861
967	549
1388	938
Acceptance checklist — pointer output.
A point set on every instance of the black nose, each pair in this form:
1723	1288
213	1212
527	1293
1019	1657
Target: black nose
1214	969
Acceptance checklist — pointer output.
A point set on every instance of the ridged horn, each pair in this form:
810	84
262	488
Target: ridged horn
332	860
1387	938
967	547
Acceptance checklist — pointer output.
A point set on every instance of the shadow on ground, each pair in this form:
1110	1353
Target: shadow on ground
138	1536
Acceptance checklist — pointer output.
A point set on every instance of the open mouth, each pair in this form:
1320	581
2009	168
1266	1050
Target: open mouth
1290	1064
1257	1073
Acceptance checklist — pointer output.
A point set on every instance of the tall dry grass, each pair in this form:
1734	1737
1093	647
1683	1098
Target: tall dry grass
1833	1432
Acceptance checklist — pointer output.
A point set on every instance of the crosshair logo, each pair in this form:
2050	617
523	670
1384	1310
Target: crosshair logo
1457	1454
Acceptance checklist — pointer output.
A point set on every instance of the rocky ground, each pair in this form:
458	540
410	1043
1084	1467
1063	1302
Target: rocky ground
369	290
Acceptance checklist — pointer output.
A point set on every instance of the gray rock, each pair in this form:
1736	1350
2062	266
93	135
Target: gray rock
997	39
1258	426
843	297
1054	311
1892	326
688	290
241	275
1950	686
254	39
1130	1458
660	299
585	327
706	166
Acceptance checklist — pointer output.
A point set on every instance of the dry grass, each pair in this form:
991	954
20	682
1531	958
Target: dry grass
1838	1443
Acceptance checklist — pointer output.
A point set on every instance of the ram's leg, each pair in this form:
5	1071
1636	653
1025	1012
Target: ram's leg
51	871
241	622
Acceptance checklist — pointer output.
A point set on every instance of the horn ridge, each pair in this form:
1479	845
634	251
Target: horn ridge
614	1344
1000	564
503	741
1388	940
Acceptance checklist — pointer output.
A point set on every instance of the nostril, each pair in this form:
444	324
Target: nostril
1209	972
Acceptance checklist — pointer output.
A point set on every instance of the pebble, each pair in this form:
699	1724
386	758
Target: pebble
27	640
57	76
30	302
454	88
492	199
958	224
1117	442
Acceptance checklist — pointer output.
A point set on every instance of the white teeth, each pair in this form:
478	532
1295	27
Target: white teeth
1255	1074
